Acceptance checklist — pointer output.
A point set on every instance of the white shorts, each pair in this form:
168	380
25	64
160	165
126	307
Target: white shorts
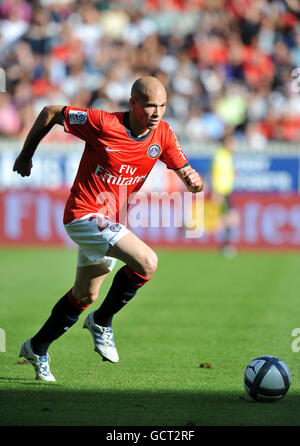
94	234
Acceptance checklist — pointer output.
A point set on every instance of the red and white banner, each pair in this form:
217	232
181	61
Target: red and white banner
267	221
32	217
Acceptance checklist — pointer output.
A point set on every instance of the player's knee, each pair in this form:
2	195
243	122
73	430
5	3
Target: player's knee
92	297
85	296
149	264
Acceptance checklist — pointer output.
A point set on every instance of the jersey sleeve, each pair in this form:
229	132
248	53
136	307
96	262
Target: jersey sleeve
173	155
81	122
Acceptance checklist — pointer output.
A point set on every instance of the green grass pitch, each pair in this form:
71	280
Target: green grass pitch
198	308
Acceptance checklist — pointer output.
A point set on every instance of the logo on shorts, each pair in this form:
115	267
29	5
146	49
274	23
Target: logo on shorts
77	117
154	151
115	227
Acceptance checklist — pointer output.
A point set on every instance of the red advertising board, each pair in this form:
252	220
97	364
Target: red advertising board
32	217
267	221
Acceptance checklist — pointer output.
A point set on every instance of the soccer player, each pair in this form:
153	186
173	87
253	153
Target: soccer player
222	182
120	150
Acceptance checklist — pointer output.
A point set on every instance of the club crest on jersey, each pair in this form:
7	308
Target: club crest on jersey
77	117
115	227
154	151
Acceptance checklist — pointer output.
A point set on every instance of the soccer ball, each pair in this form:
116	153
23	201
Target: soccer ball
267	378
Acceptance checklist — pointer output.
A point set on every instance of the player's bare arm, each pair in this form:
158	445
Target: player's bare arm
48	117
191	178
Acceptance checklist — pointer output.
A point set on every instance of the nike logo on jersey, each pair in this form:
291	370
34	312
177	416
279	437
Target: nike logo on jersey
111	150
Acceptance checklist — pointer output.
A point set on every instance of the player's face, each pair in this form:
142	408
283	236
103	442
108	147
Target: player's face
148	113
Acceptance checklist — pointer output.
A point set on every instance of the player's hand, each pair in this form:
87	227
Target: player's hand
193	180
23	166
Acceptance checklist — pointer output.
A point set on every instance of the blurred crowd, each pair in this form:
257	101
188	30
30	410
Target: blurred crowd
226	64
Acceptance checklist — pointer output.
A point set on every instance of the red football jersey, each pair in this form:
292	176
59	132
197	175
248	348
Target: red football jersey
114	163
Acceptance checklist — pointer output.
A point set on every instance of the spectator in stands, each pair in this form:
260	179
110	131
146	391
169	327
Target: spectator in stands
198	48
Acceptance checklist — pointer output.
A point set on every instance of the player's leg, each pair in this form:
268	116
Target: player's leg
136	254
64	315
88	282
97	237
68	309
140	264
230	223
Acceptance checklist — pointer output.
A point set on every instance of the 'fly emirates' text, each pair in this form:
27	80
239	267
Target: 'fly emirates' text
119	180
